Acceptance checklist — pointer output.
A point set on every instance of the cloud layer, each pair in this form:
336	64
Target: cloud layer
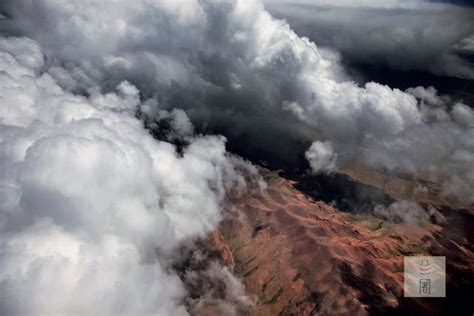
89	197
405	35
242	73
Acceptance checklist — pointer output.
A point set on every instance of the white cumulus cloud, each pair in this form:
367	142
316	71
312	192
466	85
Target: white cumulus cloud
89	197
321	157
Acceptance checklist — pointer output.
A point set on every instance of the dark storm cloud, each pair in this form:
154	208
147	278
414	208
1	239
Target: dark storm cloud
238	71
400	34
188	58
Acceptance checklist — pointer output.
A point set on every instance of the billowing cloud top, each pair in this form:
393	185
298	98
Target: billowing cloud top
88	196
